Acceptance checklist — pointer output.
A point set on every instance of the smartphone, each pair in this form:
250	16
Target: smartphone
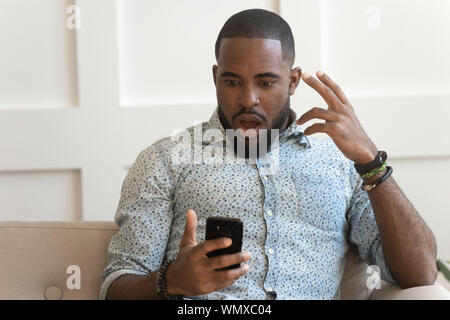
218	227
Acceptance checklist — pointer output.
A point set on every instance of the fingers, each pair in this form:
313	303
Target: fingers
331	84
327	94
327	88
227	260
317	113
231	275
211	245
338	105
189	235
328	128
223	279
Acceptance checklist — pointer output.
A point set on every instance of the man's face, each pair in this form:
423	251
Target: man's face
253	85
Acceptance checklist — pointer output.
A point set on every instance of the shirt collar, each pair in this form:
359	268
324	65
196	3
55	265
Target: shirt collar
293	131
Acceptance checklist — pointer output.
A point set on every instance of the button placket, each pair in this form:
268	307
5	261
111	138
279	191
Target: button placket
268	217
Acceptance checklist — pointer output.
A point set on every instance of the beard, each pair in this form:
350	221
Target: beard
279	122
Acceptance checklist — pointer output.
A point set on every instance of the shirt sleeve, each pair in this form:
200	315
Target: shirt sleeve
144	217
364	231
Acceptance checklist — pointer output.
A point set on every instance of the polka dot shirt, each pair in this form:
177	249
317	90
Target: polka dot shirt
301	204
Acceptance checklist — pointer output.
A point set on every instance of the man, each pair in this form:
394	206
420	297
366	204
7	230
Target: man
297	221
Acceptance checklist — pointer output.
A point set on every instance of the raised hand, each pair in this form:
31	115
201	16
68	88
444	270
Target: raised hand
341	123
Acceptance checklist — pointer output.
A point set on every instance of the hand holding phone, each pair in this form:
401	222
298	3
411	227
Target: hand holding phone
217	227
194	273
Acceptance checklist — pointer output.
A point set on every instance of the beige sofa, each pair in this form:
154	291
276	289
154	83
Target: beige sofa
47	260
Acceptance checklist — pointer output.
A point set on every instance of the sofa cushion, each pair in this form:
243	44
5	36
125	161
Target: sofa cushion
354	280
47	260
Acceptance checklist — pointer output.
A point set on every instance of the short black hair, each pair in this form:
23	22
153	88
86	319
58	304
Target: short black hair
259	23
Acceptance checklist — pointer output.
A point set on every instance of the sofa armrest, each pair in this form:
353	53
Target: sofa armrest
391	292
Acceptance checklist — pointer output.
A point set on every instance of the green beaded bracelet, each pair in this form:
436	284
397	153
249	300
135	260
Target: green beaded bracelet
374	171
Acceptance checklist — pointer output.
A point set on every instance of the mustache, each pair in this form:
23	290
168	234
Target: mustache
250	112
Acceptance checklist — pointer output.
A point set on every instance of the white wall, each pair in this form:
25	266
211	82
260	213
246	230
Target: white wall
78	105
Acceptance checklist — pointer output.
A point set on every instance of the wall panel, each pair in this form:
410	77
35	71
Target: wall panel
40	195
166	55
424	180
388	47
37	56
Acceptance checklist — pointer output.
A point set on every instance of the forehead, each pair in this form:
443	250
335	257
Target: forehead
253	53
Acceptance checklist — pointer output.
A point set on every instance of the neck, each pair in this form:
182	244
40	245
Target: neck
288	120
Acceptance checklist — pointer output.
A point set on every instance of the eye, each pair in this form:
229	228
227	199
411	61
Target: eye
231	83
267	84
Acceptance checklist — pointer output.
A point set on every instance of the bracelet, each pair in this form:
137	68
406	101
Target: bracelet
374	171
368	187
161	287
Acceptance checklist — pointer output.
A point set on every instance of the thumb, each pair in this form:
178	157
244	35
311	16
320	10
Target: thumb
189	236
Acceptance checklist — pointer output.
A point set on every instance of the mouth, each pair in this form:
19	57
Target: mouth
249	124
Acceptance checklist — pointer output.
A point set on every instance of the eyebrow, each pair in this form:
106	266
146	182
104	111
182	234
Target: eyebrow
259	75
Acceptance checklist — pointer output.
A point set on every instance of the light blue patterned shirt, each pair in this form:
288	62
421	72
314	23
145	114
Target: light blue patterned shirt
297	221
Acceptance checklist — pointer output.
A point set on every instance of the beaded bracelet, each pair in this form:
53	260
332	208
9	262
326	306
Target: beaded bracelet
374	171
161	287
368	187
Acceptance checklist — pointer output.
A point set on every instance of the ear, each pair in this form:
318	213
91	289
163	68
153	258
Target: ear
294	79
214	70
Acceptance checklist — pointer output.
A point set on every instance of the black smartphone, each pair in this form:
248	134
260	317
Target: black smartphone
217	227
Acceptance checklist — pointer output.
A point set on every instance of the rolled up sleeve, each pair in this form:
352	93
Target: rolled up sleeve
144	217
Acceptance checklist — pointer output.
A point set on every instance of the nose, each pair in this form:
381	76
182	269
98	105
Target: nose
248	96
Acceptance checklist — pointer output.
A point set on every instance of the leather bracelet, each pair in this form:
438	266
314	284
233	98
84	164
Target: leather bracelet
363	169
161	287
368	187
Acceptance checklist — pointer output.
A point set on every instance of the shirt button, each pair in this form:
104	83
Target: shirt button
269	289
269	212
271	252
265	178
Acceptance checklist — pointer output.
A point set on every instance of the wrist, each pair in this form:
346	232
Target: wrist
366	157
171	287
161	283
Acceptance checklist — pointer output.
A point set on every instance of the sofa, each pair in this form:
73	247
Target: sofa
63	260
